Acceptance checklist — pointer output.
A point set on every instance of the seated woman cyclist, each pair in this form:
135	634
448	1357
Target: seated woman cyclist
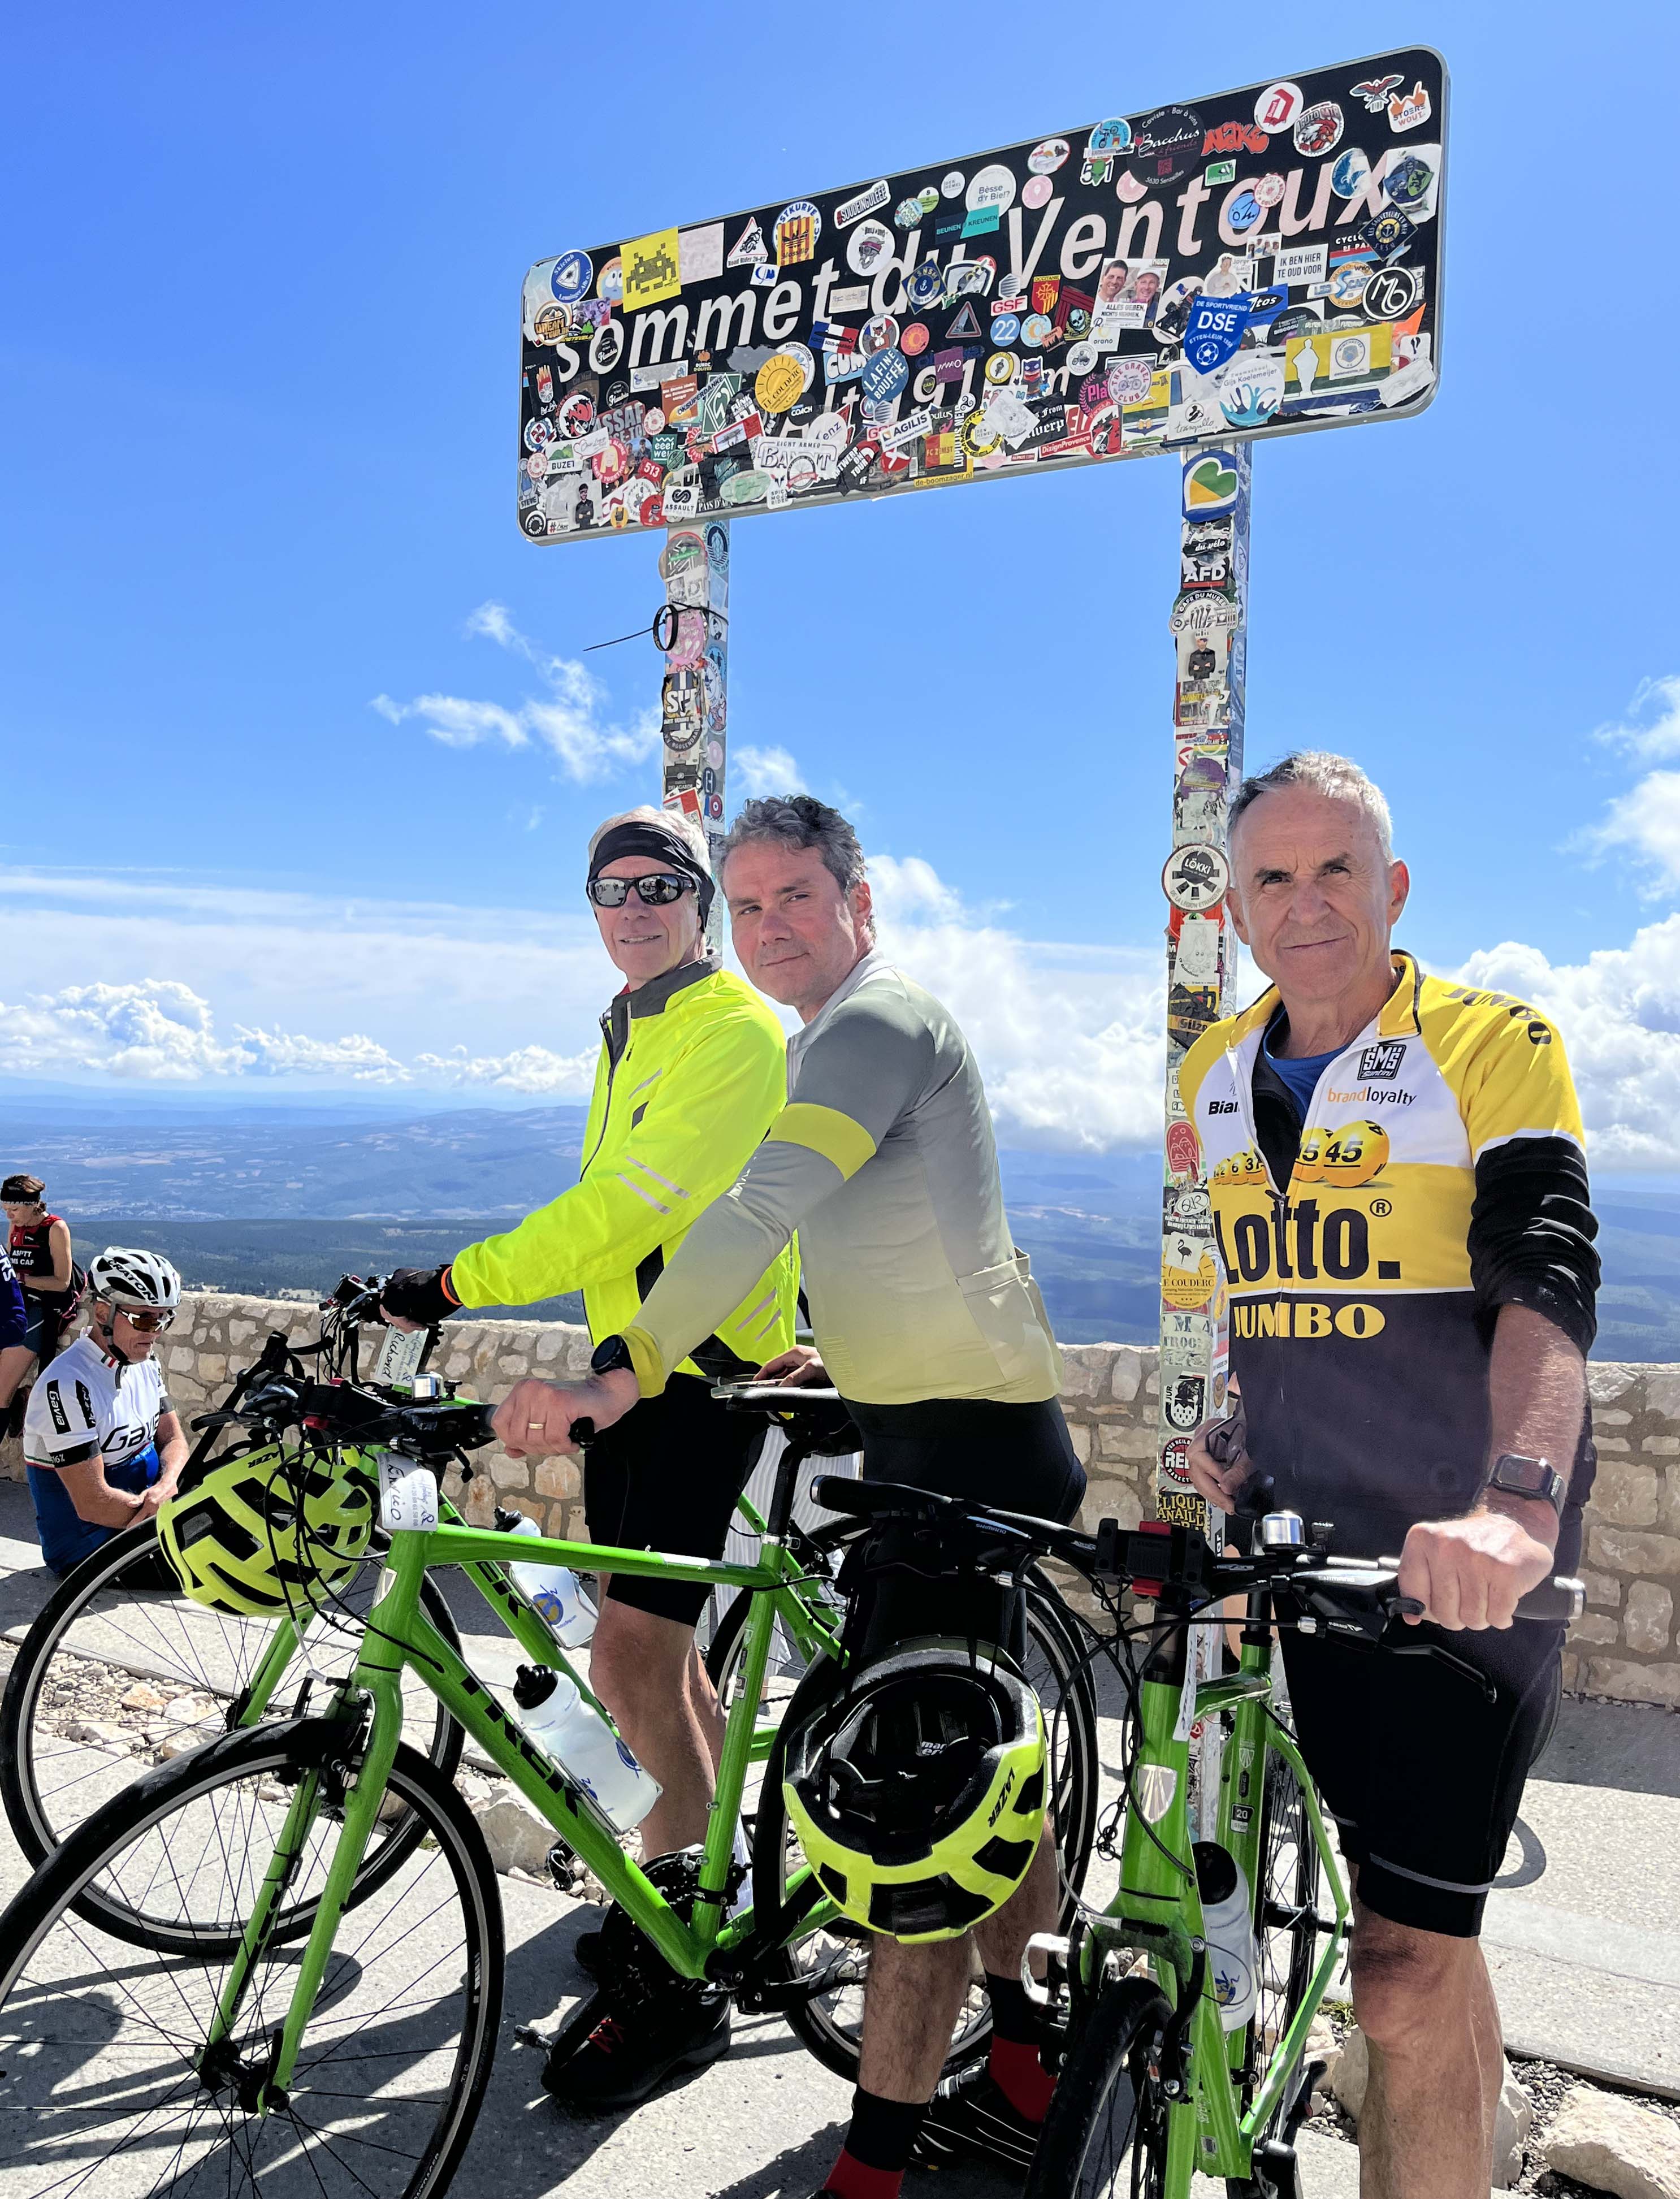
46	1267
101	1442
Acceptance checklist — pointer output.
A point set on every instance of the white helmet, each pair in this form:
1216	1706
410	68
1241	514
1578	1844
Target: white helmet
123	1276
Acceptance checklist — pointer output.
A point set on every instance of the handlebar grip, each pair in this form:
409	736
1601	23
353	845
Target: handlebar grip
1557	1601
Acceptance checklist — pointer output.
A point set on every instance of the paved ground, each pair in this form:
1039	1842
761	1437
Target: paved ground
1581	1936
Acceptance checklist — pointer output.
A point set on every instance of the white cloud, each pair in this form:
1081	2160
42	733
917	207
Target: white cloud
528	1069
567	721
1645	822
767	770
1652	729
161	1031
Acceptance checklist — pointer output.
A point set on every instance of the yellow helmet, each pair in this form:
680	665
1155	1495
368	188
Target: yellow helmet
917	1792
271	1528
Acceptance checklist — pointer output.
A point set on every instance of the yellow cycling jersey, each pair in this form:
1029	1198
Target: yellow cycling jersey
1439	1175
693	1070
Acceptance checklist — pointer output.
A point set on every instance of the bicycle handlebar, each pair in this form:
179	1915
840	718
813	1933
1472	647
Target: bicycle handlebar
1179	1563
348	1412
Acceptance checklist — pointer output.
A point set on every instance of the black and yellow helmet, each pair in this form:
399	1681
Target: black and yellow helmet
271	1529
918	1792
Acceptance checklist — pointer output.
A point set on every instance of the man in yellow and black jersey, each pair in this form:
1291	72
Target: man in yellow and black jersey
1400	1206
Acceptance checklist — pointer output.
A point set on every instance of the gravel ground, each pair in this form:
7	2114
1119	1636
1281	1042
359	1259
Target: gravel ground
1545	2084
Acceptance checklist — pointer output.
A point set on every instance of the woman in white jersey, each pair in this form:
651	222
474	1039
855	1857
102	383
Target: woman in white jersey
102	1444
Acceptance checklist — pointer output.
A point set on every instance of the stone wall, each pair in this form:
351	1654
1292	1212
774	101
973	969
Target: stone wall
1623	1645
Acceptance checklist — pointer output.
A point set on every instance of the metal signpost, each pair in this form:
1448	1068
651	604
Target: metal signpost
1192	280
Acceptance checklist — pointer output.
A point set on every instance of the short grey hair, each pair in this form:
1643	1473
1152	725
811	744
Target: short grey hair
1338	778
799	820
675	821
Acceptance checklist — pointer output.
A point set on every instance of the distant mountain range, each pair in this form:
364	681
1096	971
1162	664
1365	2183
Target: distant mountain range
265	1196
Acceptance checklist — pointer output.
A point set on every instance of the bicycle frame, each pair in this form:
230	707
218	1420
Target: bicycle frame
399	1637
1157	1907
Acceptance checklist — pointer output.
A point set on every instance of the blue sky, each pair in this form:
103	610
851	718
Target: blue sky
259	365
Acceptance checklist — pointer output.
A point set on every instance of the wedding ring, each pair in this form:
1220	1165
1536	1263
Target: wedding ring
532	1428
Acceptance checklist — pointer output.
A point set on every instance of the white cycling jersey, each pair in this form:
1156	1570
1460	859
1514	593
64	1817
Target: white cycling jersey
88	1401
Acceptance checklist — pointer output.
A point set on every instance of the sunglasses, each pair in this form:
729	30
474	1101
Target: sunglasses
657	890
149	1324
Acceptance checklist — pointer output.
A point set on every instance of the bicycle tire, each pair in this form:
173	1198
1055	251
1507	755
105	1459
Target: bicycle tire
38	1809
1106	2109
1287	1878
1053	1646
94	2055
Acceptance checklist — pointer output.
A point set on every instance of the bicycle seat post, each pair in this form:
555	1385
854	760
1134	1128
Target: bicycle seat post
779	1517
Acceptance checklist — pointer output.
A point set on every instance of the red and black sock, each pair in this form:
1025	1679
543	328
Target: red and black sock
1014	2065
877	2151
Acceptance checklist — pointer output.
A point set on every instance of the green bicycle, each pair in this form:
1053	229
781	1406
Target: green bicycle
310	2031
1156	2084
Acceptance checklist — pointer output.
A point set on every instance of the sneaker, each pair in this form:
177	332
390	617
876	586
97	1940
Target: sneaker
626	2057
971	2114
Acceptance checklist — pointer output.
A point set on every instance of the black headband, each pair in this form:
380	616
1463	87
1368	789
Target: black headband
643	837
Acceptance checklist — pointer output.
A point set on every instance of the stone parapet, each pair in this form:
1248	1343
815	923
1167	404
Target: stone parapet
1623	1646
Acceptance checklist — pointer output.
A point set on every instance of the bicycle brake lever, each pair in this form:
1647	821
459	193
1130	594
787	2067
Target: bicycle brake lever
1461	1666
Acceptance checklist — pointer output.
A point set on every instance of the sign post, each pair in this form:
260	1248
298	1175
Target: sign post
693	630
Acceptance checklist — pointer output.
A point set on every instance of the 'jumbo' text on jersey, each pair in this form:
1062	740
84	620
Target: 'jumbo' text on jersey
88	1401
692	1070
1439	1175
882	1160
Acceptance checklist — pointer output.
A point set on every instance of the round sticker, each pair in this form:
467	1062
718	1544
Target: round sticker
798	226
1407	183
571	276
1000	368
892	463
1047	155
977	439
866	245
1175	1451
878	334
1195	878
1392	293
993	186
1036	330
914	339
926	285
1318	129
1036	191
1244	212
539	433
1351	174
803	357
1166	145
611	284
1082	357
885	376
1005	327
1277	107
927	198
576	415
1268	189
613	463
606	346
553	325
1346	286
1349	354
1093	391
1128	190
907	213
1107	138
951	185
778	384
749	487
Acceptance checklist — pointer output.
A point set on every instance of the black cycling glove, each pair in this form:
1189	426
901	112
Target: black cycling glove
420	1294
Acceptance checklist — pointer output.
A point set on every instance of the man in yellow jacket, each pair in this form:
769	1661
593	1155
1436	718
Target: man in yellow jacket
692	1072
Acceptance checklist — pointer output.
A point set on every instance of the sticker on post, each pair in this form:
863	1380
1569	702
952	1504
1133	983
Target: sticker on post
408	1495
1195	878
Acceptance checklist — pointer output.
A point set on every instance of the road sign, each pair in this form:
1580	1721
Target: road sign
1253	264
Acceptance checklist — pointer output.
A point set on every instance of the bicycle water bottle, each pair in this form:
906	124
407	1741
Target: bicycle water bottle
585	1745
553	1592
1228	1928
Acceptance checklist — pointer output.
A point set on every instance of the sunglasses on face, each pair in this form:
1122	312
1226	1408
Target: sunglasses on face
657	890
149	1324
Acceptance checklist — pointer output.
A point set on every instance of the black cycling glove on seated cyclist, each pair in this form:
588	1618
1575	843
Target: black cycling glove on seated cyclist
420	1294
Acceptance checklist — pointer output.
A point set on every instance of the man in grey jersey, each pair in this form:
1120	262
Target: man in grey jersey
927	1321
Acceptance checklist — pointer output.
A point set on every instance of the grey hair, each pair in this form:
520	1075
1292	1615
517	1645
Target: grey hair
677	822
1336	777
799	820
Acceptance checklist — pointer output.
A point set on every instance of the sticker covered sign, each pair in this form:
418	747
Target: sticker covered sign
1263	261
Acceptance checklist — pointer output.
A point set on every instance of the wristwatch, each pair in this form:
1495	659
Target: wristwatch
611	1353
1517	1476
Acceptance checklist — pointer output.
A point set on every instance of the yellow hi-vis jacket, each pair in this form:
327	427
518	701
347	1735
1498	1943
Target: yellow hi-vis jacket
693	1070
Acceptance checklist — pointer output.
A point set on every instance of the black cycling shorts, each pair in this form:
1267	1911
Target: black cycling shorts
667	1477
1018	1457
1422	1774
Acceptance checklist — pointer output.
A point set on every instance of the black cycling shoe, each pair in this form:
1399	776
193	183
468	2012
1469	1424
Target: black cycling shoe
972	2114
586	1952
624	2058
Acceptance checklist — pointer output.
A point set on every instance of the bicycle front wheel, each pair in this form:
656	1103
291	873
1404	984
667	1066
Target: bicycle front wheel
110	2067
1288	1879
1106	2130
120	1671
